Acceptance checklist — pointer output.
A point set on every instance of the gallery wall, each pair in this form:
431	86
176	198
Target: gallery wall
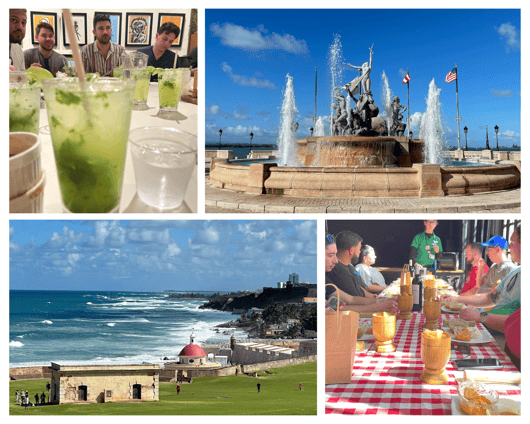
132	28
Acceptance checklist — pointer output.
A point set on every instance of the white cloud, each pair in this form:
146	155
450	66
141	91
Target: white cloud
510	36
245	81
501	93
257	39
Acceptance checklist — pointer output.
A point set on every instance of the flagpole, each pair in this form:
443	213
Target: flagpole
408	105
457	110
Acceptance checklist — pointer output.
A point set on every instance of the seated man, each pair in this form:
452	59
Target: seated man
160	54
44	56
502	266
473	257
349	282
372	279
101	56
504	299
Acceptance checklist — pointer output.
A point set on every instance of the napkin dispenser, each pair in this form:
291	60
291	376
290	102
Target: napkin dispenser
447	261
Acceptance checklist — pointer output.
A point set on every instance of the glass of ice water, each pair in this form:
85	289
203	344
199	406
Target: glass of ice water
164	160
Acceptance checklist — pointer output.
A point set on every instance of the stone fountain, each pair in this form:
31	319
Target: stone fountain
366	155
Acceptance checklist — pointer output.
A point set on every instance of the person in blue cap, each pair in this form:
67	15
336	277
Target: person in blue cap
496	249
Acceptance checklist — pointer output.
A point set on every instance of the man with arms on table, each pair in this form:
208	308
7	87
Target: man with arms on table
102	56
349	282
17	32
504	299
44	56
473	257
160	55
502	266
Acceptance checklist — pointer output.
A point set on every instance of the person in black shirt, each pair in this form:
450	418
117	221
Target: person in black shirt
160	54
349	282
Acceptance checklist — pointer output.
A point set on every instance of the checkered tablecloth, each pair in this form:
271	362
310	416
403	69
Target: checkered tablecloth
389	383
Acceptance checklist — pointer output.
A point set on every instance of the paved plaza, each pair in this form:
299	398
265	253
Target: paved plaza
224	201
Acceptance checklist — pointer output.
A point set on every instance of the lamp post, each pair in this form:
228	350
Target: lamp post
220	134
250	147
311	131
487	140
497	135
465	132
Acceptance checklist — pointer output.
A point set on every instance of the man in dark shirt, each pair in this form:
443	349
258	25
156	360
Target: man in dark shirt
349	282
160	55
44	56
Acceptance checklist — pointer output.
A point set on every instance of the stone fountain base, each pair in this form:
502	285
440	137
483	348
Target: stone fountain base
420	180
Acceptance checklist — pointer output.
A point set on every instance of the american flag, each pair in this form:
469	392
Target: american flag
406	79
451	76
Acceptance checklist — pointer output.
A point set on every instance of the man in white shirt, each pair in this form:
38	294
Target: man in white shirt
17	32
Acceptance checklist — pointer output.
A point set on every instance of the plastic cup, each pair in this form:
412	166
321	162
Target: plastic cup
89	130
169	87
24	104
164	160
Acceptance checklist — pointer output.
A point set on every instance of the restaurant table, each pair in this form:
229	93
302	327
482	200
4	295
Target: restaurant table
186	120
389	383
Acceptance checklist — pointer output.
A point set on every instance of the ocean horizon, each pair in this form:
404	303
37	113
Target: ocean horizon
107	327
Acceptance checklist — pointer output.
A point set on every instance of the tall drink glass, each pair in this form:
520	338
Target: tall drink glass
24	104
142	78
169	87
89	129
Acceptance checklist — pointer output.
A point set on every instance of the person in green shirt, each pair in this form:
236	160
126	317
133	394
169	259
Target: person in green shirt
426	245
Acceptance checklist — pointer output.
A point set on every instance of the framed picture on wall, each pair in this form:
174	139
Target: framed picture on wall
80	29
37	18
179	19
139	29
115	23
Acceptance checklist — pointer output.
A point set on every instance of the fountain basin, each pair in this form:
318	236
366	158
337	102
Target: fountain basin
420	180
365	152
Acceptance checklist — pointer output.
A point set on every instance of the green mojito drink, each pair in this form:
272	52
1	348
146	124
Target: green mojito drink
24	104
142	78
169	87
89	129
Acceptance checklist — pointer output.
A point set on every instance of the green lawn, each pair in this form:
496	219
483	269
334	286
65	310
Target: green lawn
205	396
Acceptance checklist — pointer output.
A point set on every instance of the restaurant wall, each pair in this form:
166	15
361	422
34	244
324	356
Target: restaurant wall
391	239
65	50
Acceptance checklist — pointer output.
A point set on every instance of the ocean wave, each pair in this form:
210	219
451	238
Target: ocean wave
46	321
13	343
111	324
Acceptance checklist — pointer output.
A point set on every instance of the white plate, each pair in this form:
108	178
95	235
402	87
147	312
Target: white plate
486	337
450	311
455	404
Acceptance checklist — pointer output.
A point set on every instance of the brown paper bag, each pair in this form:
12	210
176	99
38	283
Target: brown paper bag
341	340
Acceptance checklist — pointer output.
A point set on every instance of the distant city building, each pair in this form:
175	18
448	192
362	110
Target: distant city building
294	278
281	285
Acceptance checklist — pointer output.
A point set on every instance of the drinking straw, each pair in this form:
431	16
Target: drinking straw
75	47
175	62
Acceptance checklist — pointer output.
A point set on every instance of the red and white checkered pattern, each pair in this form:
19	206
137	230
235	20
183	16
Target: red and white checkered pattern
389	383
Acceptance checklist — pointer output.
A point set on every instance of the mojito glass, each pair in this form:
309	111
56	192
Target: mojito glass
169	87
24	104
142	77
89	129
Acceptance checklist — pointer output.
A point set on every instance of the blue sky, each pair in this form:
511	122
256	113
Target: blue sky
250	52
152	255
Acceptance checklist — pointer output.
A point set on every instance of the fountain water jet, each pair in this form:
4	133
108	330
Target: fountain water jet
335	61
387	99
319	127
431	129
287	136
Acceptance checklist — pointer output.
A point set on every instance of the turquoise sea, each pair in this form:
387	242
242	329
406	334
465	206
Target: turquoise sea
78	327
